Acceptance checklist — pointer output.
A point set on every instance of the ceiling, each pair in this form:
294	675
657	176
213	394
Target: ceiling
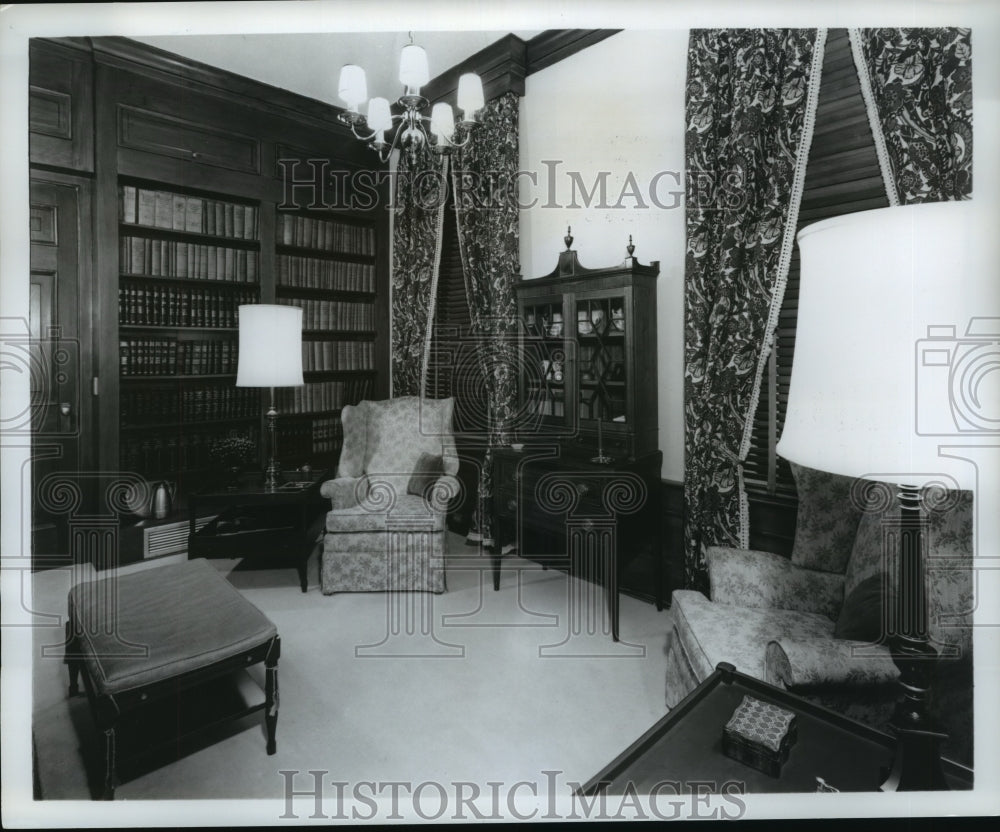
309	63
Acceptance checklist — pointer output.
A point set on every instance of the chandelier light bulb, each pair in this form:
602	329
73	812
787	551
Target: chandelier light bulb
352	89
379	115
442	120
470	95
413	70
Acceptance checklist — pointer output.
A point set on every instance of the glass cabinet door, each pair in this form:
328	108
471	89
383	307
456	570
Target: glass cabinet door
543	381
601	325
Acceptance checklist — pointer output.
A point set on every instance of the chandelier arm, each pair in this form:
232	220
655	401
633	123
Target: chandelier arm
368	138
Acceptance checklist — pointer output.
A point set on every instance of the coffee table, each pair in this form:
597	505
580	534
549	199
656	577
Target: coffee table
256	523
163	653
684	749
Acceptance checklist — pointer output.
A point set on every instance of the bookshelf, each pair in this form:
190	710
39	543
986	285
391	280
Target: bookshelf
187	260
326	266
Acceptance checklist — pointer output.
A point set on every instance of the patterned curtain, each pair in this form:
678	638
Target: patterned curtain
484	179
750	103
917	85
421	188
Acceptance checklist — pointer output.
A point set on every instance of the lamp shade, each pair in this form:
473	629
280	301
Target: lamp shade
442	120
270	346
413	70
379	114
352	88
470	94
896	350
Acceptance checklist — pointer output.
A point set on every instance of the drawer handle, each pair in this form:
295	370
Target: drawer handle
582	489
194	154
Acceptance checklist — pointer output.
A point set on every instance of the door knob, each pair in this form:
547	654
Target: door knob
65	408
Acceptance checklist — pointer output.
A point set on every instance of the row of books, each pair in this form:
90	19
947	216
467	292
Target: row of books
211	402
173	258
142	305
176	451
324	396
338	355
301	439
326	235
179	212
170	357
311	273
345	316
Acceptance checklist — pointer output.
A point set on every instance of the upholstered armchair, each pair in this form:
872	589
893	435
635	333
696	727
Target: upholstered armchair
812	623
396	476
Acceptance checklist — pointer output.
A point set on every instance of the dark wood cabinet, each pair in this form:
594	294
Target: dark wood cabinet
583	491
60	106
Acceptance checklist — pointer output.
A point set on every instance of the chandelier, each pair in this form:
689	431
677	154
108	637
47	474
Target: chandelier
411	125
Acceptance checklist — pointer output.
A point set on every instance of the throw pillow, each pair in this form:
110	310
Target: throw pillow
425	473
861	618
826	522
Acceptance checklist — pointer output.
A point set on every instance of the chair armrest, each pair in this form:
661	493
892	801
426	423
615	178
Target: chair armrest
749	578
795	663
344	492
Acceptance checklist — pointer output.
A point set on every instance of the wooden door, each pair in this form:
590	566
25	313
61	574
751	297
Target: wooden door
56	360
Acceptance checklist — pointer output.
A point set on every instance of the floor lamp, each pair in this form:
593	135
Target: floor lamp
270	356
893	355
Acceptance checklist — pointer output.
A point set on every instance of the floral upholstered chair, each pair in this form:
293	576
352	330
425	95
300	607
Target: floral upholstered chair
812	623
396	476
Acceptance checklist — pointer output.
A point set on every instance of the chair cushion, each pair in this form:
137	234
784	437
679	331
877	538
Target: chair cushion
408	509
425	473
711	633
826	522
187	615
948	568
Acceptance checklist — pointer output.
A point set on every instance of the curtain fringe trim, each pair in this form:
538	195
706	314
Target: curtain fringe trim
784	262
868	94
435	273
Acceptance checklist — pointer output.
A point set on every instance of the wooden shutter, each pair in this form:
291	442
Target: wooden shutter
842	176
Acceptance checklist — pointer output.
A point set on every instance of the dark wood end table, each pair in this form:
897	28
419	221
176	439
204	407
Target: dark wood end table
685	747
255	522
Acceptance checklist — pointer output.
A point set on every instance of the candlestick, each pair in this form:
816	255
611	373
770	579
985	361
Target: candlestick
601	458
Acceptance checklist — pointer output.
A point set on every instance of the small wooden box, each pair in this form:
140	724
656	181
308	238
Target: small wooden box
760	735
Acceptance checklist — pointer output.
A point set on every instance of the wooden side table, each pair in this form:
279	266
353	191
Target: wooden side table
685	747
257	523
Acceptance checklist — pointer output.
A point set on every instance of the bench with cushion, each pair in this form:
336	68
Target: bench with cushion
157	648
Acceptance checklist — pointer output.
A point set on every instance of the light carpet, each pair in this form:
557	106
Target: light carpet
499	686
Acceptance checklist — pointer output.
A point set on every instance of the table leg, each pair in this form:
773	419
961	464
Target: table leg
271	699
495	557
303	582
72	660
109	764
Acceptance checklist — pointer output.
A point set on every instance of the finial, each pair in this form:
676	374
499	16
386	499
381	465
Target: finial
630	248
568	239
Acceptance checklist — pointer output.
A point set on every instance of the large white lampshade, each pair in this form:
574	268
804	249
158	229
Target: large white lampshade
413	70
442	120
270	346
379	115
896	347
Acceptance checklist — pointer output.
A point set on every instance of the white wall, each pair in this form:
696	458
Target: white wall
615	107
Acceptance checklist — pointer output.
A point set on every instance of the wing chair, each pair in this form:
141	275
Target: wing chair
395	478
793	622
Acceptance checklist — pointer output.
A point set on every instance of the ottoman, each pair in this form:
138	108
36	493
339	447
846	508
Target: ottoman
163	654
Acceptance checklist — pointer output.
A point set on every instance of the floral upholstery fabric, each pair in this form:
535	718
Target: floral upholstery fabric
748	578
380	562
378	537
710	633
826	522
791	662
